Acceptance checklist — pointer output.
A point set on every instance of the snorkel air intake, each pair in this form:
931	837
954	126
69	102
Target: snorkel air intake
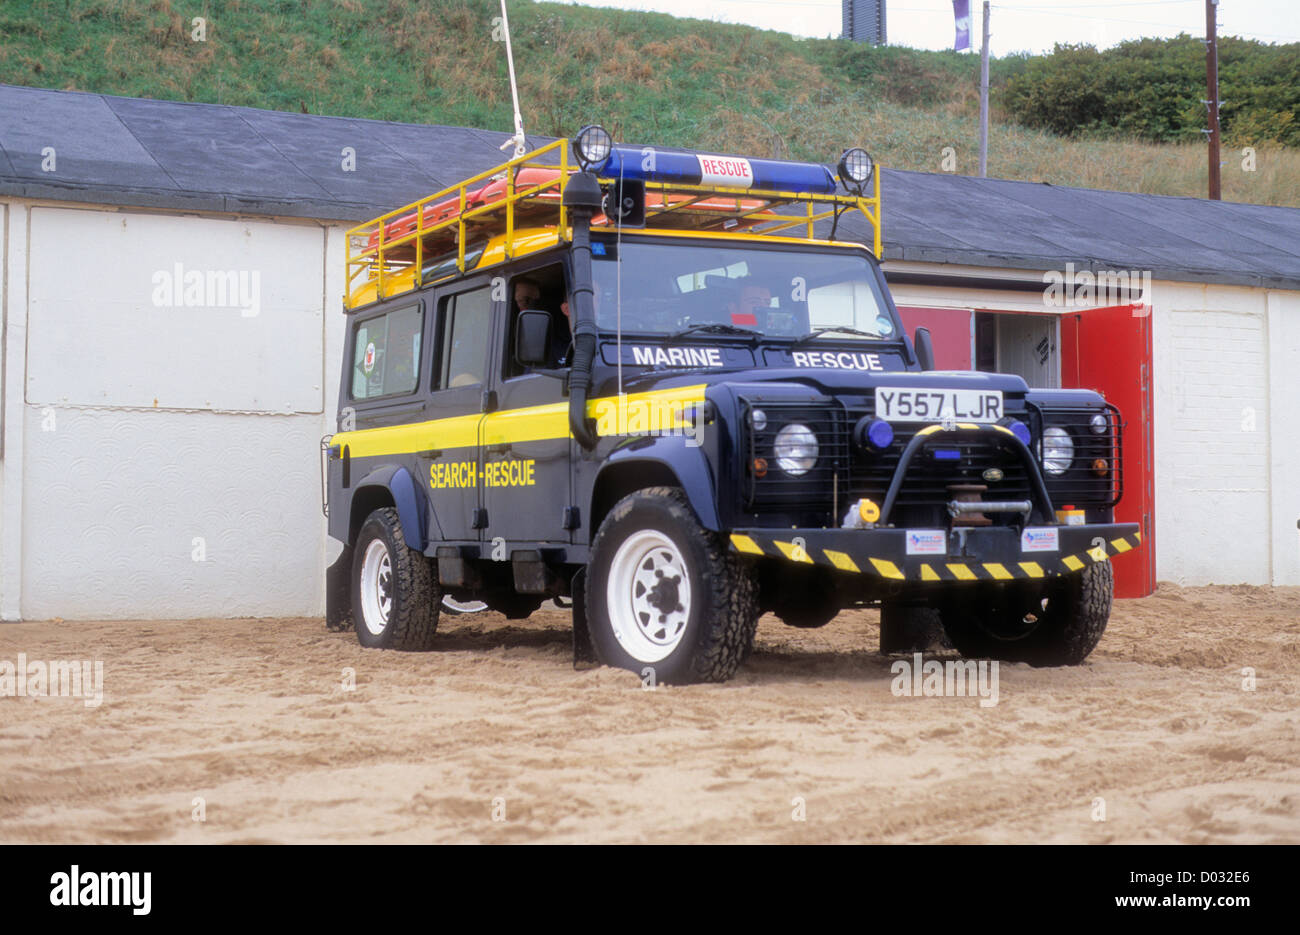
582	196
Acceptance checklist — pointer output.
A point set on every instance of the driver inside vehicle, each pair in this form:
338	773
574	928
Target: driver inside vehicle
751	299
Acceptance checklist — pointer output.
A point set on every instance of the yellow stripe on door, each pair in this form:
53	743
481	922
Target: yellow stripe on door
527	424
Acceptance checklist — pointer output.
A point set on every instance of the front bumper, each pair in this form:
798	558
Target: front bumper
990	553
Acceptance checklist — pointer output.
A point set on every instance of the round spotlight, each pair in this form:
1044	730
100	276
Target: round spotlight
855	168
1099	424
758	419
592	145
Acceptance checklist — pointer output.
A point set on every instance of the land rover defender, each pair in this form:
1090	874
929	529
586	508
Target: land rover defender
655	383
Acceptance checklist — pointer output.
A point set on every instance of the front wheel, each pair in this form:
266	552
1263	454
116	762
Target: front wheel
1057	626
395	596
665	594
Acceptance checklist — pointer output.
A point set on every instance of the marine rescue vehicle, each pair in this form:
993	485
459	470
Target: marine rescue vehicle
653	382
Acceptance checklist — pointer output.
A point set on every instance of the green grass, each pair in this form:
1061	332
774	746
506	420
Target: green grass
648	77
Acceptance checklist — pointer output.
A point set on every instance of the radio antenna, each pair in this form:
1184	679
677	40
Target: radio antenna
519	142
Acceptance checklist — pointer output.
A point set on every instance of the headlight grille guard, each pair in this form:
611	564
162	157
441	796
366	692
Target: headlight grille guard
1080	485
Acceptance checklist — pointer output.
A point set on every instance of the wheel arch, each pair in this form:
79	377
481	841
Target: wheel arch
662	465
391	485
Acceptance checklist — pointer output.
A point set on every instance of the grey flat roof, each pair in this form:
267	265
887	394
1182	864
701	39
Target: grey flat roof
212	157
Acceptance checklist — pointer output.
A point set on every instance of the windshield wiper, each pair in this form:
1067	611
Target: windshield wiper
705	327
813	335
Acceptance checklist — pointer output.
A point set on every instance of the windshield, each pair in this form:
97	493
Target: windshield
667	287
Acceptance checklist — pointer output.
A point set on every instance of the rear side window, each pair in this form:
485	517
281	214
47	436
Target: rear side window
386	354
466	323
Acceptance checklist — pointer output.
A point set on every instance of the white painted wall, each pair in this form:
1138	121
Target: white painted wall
142	436
1227	450
1283	331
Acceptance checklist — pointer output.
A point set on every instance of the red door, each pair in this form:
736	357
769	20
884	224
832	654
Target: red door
950	330
1109	350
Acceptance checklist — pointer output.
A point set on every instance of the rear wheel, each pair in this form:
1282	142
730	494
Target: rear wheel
395	595
909	629
666	594
1056	626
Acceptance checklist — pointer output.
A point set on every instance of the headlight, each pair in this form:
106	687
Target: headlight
1099	424
795	449
1057	450
758	419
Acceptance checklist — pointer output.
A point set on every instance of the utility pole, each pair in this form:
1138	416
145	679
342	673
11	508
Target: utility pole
984	96
1212	84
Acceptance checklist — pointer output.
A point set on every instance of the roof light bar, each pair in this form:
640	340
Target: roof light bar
648	164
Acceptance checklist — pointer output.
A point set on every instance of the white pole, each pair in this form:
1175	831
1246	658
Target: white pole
984	97
520	143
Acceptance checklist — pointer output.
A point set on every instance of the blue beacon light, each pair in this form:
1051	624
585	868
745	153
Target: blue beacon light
648	164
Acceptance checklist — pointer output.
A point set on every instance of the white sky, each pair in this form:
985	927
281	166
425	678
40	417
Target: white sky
1020	25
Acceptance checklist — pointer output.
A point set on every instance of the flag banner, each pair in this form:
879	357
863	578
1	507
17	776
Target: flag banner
961	13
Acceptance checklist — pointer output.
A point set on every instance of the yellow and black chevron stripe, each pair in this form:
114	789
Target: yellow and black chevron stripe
757	544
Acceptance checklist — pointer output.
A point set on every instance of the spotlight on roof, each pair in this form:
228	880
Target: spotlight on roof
592	146
855	169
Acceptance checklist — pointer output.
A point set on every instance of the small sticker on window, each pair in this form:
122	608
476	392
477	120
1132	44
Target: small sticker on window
369	363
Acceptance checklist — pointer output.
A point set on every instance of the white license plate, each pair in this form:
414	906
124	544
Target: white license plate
898	404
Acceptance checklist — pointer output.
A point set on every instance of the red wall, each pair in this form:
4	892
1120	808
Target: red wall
949	327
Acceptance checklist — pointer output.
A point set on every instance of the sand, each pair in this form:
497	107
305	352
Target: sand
495	737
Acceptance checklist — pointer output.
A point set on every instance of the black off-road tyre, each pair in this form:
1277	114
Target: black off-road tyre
412	589
1065	632
706	637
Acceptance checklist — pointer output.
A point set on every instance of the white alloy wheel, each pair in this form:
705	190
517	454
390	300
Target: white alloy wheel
376	587
648	596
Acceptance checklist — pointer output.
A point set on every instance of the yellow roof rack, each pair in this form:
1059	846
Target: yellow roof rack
442	234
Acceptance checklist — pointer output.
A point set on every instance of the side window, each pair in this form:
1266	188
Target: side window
544	289
386	354
466	323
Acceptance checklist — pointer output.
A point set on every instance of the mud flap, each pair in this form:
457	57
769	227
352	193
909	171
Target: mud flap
584	654
338	592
